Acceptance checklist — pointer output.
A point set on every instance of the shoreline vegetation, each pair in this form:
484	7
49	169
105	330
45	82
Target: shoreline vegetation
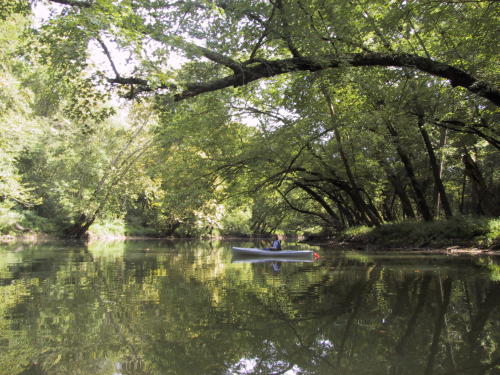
460	234
469	235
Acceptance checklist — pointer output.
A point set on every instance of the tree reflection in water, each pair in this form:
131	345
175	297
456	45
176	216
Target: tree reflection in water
184	308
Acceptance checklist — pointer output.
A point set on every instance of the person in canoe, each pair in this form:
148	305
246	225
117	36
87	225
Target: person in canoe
276	245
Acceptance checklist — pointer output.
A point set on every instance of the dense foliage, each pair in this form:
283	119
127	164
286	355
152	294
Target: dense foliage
247	117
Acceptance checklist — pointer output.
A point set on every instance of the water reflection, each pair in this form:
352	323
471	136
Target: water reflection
190	308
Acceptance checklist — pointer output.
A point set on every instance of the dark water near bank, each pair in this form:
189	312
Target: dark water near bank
153	308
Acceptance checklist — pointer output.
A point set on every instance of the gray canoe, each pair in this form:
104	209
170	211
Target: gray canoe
248	259
250	251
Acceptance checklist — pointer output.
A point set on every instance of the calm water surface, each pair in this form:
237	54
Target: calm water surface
146	307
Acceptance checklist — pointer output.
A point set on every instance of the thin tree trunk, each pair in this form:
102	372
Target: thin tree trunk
436	172
388	207
423	208
358	200
485	202
314	195
462	195
442	143
344	210
398	189
348	212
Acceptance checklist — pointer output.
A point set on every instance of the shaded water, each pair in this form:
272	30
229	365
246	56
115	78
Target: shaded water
132	308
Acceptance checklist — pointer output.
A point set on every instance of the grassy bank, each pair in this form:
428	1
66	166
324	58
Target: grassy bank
460	231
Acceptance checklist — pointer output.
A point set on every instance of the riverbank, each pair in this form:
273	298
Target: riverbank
461	234
455	236
25	237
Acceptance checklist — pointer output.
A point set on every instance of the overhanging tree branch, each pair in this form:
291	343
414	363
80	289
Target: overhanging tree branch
304	211
462	127
244	72
74	3
271	68
108	55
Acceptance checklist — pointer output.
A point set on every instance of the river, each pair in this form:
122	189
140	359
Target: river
188	307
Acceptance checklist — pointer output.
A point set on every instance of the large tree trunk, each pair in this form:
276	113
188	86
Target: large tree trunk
436	170
80	227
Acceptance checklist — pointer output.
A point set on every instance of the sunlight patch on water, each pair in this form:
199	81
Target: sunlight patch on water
250	366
